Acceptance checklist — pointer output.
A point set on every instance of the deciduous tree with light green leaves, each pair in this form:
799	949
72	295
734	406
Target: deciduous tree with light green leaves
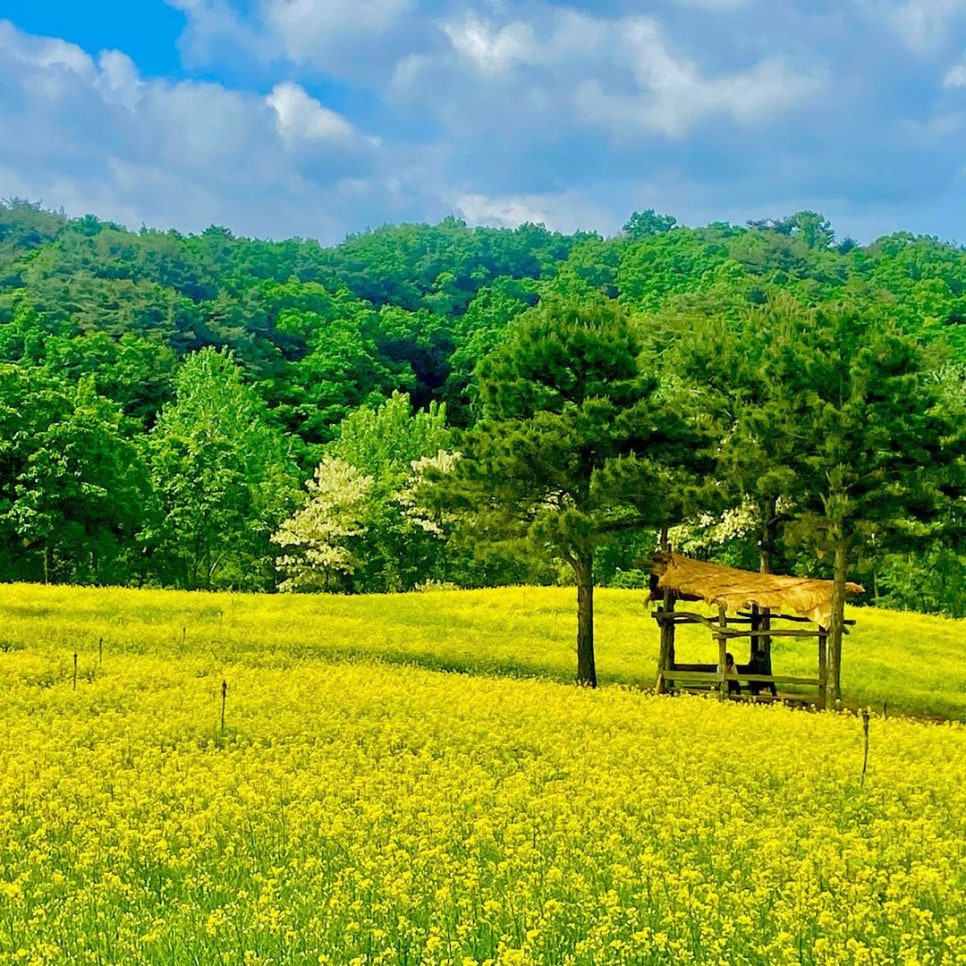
222	478
72	487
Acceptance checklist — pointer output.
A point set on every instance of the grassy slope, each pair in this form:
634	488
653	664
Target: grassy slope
910	662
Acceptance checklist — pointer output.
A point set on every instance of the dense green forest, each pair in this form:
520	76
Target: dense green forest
206	411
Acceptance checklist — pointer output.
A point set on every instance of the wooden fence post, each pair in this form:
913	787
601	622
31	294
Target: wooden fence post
722	651
822	668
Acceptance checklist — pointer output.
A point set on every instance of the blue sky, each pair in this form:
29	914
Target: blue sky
323	117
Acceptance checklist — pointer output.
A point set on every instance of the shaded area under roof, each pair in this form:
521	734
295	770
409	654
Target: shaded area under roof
734	589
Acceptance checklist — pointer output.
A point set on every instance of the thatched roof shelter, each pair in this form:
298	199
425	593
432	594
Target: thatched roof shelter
753	606
732	588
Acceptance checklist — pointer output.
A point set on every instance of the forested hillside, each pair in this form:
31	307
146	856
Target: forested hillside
164	398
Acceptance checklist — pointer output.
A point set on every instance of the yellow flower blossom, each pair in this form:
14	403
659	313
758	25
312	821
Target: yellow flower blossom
371	811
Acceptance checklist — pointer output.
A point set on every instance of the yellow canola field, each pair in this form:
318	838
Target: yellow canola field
897	662
363	813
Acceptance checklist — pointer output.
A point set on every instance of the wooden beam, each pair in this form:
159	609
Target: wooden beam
789	617
772	632
714	676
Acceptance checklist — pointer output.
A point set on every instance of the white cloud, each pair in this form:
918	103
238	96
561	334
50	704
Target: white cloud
921	25
117	80
566	38
340	37
215	32
316	31
505	212
956	75
495	109
91	134
303	118
43	52
566	211
491	49
672	94
619	74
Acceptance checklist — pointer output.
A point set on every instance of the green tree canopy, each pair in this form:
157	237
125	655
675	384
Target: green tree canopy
576	446
643	224
222	477
836	414
396	551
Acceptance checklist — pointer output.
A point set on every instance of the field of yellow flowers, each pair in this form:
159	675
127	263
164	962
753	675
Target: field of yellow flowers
360	807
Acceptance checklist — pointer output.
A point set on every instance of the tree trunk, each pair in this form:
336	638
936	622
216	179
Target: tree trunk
833	691
586	666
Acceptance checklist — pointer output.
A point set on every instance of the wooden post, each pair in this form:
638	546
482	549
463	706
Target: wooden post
722	650
766	547
822	667
753	644
666	659
670	641
764	642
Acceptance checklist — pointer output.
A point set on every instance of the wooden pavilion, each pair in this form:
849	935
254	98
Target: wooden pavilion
750	605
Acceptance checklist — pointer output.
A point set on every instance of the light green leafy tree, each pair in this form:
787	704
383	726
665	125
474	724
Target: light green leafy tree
396	553
222	478
361	528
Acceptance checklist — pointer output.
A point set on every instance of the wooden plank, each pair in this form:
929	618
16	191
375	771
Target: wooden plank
789	617
712	676
716	627
667	640
778	679
773	632
681	617
689	617
675	675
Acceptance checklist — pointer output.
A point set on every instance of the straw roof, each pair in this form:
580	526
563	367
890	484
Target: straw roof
716	584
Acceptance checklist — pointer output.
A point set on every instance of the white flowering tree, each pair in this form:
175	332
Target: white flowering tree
318	540
362	526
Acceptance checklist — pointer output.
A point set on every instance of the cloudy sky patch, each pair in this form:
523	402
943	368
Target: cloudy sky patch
324	117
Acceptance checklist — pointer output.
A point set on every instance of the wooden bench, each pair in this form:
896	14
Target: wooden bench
701	678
